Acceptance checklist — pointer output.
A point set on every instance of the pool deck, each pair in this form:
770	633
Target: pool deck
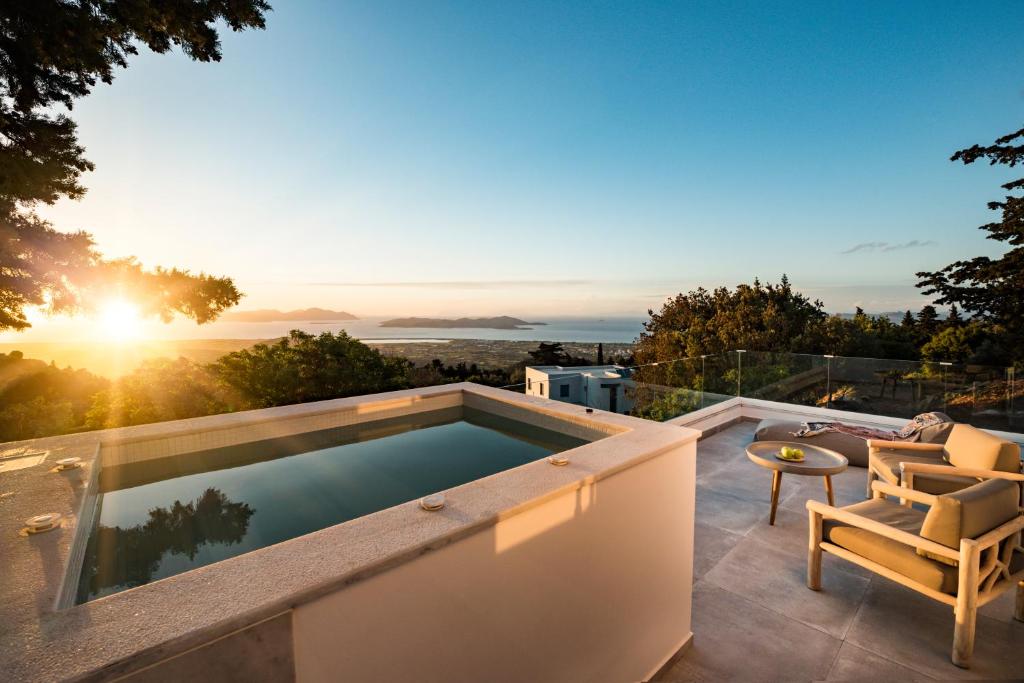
754	619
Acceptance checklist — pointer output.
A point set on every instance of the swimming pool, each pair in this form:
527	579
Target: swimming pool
162	517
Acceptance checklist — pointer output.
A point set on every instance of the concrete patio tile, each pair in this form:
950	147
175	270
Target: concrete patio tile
727	512
777	580
848	487
915	631
745	480
738	640
710	545
854	664
789	534
1001	609
708	463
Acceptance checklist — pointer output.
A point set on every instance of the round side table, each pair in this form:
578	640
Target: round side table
817	462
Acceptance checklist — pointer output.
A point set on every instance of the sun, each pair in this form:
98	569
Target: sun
120	320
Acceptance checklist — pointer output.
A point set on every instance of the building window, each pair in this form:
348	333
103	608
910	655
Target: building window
529	384
541	385
563	391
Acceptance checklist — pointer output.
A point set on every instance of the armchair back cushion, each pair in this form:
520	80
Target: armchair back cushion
939	432
970	447
969	513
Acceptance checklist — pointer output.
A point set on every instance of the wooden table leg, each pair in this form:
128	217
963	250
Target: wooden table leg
828	490
776	485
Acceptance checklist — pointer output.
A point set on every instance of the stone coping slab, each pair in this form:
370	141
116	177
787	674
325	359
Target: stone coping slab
41	639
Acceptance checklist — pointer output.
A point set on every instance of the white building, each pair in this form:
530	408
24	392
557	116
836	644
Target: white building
596	386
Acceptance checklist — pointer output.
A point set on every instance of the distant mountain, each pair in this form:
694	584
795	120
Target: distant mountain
502	322
269	315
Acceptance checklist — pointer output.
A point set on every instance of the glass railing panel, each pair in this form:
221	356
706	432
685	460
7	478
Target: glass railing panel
787	377
665	390
984	396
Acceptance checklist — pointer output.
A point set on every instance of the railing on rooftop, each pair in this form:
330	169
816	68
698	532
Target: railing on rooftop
985	396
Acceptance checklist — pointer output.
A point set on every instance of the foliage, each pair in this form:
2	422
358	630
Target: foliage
38	399
554	354
957	343
775	318
985	288
63	272
50	54
666	405
303	367
436	372
159	390
754	317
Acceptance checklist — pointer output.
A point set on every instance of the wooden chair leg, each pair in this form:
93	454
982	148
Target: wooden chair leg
814	550
966	611
871	477
828	490
1018	609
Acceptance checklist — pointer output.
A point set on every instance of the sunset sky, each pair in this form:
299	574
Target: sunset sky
541	159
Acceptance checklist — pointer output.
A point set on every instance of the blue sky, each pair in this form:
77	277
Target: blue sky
542	159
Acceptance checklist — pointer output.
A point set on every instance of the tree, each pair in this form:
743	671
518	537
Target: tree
928	320
600	354
160	389
38	399
985	288
754	317
908	322
549	354
953	318
303	367
956	344
50	54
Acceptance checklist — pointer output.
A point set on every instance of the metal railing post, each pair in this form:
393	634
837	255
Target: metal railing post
944	366
739	371
828	380
702	374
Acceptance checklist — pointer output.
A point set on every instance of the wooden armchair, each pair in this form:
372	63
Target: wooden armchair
967	448
964	551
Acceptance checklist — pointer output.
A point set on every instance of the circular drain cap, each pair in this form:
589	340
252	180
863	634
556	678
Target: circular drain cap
431	503
42	522
558	460
68	463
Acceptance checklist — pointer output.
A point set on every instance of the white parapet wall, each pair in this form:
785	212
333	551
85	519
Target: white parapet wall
592	584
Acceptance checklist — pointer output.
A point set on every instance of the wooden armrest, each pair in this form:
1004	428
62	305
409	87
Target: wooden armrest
879	445
906	538
1000	532
928	468
903	492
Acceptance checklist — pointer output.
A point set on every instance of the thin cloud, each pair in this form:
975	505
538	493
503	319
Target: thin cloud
462	284
912	244
889	246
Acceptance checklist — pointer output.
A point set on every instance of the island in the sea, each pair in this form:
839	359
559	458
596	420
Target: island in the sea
501	322
269	315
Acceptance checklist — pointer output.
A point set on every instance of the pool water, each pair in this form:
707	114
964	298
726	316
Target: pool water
163	517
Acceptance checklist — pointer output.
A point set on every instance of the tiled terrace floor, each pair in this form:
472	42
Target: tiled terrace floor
755	619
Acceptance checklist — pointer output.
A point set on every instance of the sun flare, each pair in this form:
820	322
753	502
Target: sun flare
120	320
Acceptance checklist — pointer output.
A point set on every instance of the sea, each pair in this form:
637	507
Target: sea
617	330
563	329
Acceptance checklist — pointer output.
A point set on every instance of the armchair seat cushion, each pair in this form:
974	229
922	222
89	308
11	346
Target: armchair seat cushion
900	558
887	465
